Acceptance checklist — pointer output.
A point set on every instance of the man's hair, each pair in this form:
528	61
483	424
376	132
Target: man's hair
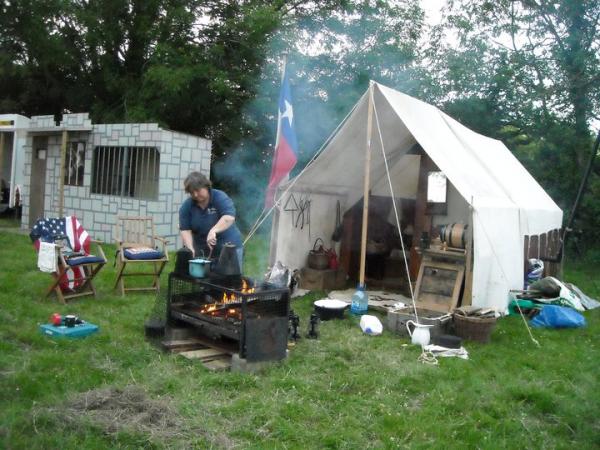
195	181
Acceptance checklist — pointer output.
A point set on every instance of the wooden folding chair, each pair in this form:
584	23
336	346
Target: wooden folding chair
88	265
136	244
76	266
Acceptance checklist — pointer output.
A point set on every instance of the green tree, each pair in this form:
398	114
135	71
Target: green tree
527	71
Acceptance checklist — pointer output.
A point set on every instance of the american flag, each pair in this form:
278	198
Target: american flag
48	230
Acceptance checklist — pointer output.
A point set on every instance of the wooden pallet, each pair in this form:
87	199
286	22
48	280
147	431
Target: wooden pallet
213	359
180	345
210	358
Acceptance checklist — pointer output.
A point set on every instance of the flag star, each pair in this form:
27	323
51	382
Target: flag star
289	112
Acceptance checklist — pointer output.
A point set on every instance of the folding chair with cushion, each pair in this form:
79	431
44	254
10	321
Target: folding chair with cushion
136	244
63	248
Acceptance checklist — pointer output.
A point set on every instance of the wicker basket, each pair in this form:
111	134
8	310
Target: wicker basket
474	328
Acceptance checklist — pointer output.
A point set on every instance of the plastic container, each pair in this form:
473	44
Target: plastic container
535	271
371	325
77	331
360	301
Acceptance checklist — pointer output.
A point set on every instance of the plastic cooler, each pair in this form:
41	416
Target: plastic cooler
78	331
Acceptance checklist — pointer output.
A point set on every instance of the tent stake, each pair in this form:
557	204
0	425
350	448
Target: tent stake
367	181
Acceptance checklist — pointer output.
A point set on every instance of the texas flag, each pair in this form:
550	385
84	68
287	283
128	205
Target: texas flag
286	146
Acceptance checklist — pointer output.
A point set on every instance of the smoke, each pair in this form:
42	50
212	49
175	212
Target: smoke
330	59
245	168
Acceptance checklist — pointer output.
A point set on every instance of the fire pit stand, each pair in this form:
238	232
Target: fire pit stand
233	312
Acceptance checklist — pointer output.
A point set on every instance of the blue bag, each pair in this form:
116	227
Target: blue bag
553	316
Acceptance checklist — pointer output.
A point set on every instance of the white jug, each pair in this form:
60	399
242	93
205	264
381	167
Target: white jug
420	335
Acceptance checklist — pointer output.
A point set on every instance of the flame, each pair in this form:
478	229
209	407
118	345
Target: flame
246	289
228	298
209	308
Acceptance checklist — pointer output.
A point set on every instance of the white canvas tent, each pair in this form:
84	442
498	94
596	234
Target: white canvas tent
486	182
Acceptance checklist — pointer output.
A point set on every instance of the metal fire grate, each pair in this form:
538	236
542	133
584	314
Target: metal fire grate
256	315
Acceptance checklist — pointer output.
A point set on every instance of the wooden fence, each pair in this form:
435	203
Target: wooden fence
545	247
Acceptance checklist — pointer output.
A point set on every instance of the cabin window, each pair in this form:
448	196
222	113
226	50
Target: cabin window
126	171
74	164
437	193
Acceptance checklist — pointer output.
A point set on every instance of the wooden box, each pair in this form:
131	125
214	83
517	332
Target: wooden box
396	321
322	280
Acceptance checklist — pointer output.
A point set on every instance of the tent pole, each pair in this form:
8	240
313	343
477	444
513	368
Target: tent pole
367	182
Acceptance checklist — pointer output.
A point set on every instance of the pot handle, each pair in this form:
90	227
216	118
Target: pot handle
408	328
321	247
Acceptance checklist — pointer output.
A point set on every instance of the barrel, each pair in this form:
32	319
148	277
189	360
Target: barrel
454	234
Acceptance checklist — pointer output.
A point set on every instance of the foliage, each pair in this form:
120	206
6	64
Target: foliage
332	53
528	72
344	390
524	71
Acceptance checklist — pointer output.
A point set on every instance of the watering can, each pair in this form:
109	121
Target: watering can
420	335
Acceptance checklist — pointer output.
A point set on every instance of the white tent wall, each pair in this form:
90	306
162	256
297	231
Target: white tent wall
497	255
295	241
537	209
457	207
507	202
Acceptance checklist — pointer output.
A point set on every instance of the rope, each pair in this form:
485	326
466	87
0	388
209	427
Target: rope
427	358
387	171
535	341
277	202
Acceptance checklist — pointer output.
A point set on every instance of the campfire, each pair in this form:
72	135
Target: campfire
233	310
218	308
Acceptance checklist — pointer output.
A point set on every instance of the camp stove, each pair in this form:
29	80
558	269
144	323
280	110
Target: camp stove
237	313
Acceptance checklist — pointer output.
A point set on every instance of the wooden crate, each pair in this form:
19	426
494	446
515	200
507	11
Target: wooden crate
322	280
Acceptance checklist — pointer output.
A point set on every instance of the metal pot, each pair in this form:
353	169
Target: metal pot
328	309
318	257
199	267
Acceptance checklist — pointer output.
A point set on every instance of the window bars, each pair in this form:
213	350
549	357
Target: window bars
75	164
126	171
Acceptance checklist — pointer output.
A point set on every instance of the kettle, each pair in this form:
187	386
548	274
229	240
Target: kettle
228	263
184	255
420	335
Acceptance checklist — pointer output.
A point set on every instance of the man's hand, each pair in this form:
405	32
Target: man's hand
211	238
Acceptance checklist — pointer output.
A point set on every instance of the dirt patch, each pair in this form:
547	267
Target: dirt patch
129	409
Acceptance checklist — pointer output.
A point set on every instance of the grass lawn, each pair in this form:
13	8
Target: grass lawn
345	390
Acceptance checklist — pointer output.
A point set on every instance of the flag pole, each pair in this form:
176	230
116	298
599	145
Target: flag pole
277	135
276	212
367	182
258	221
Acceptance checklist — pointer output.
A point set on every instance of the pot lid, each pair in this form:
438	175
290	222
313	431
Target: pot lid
200	260
331	304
